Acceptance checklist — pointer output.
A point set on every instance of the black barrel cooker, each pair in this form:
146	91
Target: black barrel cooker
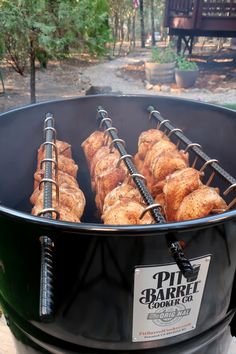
117	288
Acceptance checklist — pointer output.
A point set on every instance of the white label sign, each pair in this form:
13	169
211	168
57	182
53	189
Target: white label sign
165	303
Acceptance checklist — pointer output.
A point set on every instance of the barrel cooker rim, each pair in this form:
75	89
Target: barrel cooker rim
177	99
115	230
13	221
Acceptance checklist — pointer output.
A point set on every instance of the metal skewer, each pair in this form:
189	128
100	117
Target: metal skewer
197	149
46	301
174	246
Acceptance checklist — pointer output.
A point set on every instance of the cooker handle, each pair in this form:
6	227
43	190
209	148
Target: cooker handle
188	271
46	303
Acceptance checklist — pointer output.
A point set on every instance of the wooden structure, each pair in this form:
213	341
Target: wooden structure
190	18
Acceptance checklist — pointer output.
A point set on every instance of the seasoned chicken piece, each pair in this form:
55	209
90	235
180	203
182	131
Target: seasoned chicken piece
100	155
147	139
153	186
91	145
161	166
121	192
178	185
63	148
65	164
126	212
200	203
138	163
63	178
65	214
107	164
38	176
160	199
107	176
106	182
166	163
156	150
69	197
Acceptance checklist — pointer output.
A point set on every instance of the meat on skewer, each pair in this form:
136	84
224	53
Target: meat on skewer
103	161
162	166
145	142
178	185
122	191
63	148
71	198
171	181
147	139
109	181
92	144
126	212
201	203
173	184
106	182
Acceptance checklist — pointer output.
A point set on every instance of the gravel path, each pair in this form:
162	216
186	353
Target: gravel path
105	74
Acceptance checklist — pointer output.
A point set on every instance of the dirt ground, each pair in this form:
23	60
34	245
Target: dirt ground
64	79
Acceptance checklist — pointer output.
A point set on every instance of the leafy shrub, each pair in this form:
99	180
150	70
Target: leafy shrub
185	65
163	55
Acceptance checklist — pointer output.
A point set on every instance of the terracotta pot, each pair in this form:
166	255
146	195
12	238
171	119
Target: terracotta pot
186	78
159	73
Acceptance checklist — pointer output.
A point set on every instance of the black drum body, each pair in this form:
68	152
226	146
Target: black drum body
95	264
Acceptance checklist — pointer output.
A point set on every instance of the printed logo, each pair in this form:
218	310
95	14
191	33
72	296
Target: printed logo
164	298
170	315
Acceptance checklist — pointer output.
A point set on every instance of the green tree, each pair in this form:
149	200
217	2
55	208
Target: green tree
40	28
121	18
24	29
81	25
92	25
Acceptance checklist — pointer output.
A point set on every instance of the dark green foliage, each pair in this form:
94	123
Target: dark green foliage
23	24
41	29
163	55
55	25
184	64
80	25
42	56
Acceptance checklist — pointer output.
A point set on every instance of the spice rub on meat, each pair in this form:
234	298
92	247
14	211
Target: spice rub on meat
172	183
71	201
117	199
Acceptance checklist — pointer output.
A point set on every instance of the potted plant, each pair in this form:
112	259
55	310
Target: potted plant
186	72
160	68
